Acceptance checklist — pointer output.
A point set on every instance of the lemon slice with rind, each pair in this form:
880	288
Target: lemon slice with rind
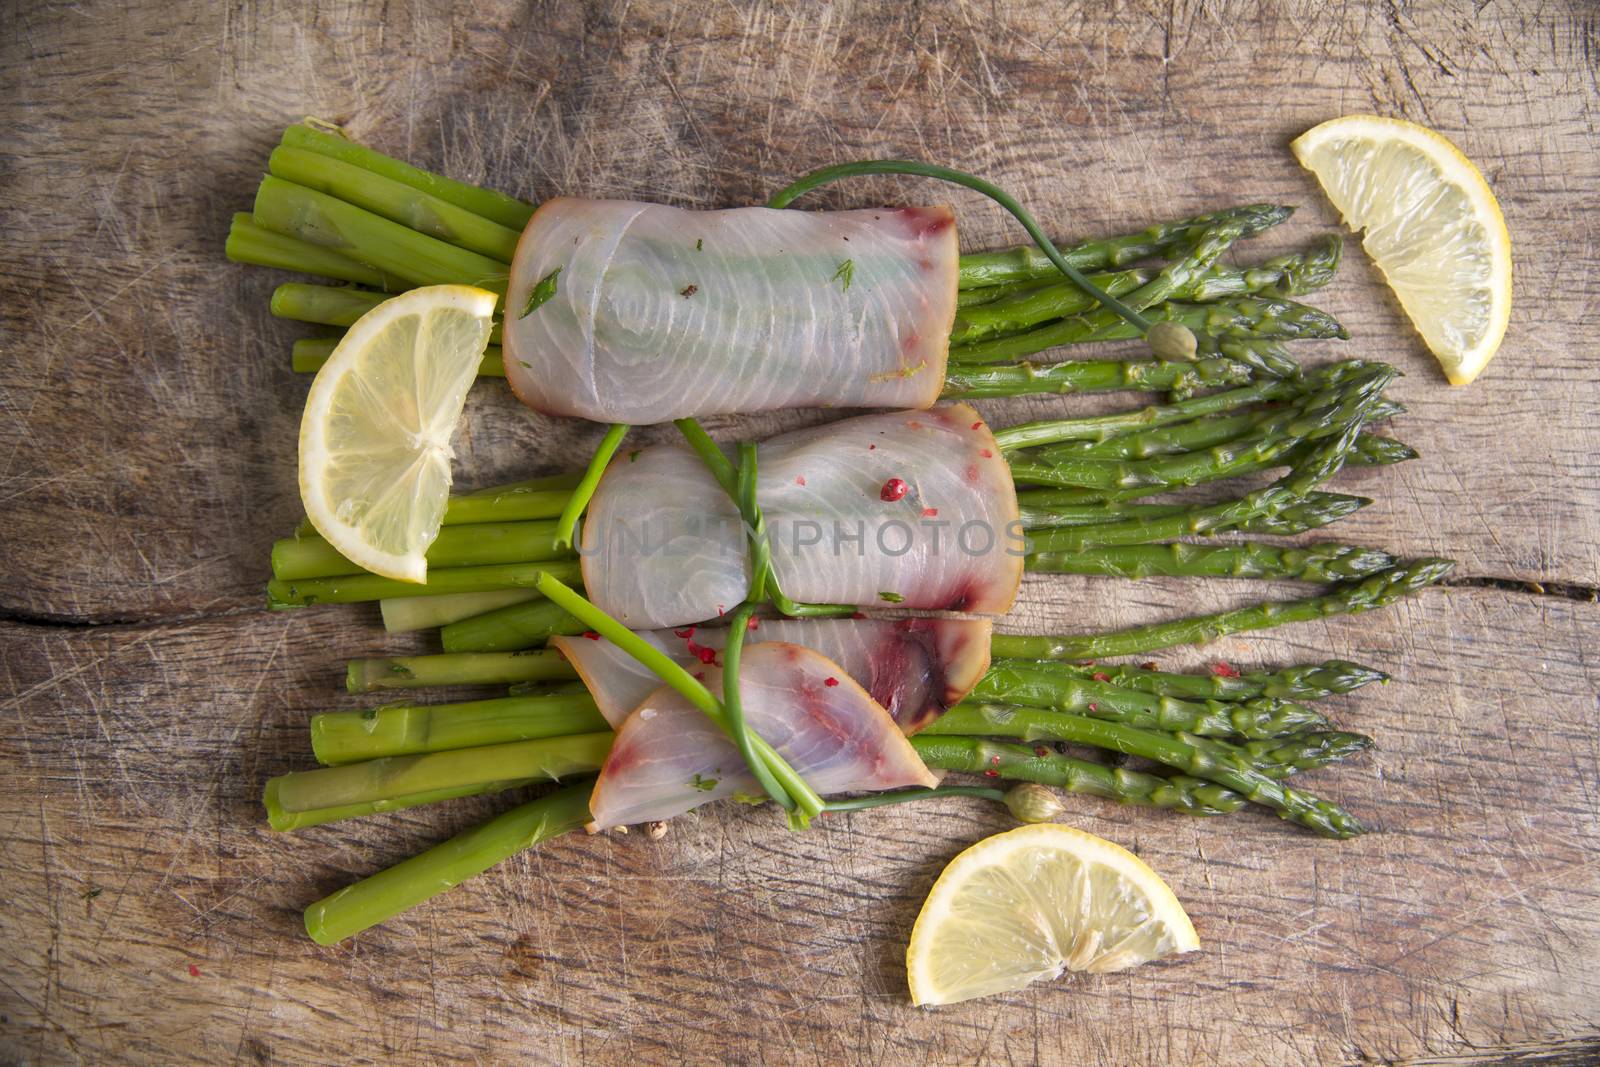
375	437
1027	904
1432	226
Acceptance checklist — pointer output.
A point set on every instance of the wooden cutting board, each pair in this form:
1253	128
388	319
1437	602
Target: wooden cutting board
146	463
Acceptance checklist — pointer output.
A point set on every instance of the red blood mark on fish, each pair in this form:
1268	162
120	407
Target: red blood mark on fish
799	479
685	633
985	453
930	513
972	473
753	624
830	682
893	489
1223	670
591	635
1101	676
977	425
194	972
927	221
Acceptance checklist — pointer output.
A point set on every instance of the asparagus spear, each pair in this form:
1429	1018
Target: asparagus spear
995	759
251	243
1105	427
1028	263
999	692
1246	317
1281	757
1020	308
295	558
496	207
356	588
320	219
309	798
1316	510
1378	591
1201	761
1321	562
411	729
456	668
1312	682
1324	411
977	381
1200	433
410	613
386	894
509	628
396	201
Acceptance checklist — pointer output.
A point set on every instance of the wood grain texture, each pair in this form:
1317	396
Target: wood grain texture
147	428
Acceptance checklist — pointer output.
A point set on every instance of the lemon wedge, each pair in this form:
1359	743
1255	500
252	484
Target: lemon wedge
1432	226
375	438
1029	903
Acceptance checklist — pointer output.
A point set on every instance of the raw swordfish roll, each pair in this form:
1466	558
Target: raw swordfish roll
669	758
915	509
660	313
915	668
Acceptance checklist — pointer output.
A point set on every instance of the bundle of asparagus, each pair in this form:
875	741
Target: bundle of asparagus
1214	744
339	211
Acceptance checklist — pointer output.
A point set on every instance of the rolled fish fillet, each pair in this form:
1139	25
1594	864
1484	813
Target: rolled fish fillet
915	668
669	758
661	313
915	509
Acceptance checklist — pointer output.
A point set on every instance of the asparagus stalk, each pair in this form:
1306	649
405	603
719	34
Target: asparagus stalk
1316	510
1095	428
1374	451
1029	263
1201	761
249	242
1380	590
358	588
999	692
994	759
1281	757
977	381
309	798
319	219
496	207
334	305
507	629
409	614
412	729
295	558
1321	562
386	894
1323	412
456	668
1207	432
1312	682
396	201
1017	308
1246	317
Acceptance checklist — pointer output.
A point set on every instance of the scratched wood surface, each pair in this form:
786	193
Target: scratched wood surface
147	426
